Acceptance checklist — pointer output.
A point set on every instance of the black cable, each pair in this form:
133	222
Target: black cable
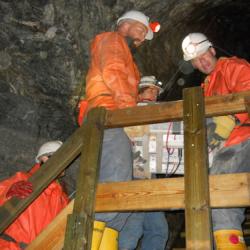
168	160
180	159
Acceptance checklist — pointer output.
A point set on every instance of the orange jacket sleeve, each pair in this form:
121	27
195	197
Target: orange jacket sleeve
113	64
237	75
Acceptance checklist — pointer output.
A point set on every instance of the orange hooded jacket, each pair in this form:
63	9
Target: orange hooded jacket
113	77
231	75
37	215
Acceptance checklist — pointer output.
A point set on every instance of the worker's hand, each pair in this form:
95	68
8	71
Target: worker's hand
218	129
20	189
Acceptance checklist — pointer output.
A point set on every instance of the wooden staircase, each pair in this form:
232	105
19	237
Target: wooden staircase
161	194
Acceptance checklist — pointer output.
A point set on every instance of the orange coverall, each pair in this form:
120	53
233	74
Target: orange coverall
37	215
231	75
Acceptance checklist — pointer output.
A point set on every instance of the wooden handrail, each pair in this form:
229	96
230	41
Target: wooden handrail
172	111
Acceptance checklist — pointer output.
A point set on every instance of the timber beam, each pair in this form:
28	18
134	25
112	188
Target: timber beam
173	111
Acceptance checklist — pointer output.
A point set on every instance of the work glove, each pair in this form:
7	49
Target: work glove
20	189
218	129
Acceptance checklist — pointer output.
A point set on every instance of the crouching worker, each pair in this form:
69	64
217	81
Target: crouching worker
40	212
229	135
149	227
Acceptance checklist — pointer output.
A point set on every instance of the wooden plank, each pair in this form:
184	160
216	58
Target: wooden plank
157	194
226	104
171	111
197	202
169	193
80	223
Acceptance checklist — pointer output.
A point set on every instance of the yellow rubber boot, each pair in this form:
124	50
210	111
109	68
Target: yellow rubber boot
109	239
229	240
97	234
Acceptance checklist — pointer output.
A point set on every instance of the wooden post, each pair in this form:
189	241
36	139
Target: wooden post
173	111
197	207
80	223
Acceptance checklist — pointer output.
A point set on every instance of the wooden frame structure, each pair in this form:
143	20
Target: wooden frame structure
87	140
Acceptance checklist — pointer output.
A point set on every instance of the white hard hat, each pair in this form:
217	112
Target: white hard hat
148	81
48	148
195	44
140	17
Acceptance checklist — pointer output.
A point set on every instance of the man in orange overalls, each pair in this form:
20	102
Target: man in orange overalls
231	133
40	212
112	83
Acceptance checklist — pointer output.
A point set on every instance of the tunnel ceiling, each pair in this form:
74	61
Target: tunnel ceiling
44	58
